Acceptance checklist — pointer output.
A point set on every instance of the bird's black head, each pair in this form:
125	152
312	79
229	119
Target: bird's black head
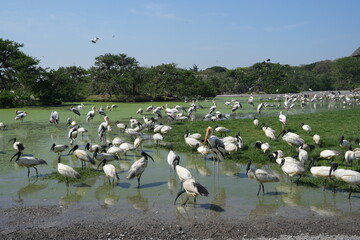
144	154
333	167
52	147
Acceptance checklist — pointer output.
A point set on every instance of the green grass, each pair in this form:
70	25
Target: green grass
85	174
329	125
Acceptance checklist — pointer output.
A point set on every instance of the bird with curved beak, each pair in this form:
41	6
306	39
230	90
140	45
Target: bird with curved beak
58	148
82	156
18	146
261	176
192	189
104	157
138	167
28	161
67	172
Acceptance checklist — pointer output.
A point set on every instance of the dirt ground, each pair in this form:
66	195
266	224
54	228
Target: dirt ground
54	222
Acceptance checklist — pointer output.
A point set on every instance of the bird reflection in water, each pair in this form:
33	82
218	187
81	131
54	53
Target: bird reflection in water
172	183
291	194
138	201
75	196
106	196
28	190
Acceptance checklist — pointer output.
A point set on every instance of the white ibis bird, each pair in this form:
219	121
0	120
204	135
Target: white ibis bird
350	155
192	135
260	108
110	172
103	128
140	111
21	116
59	148
191	142
256	122
158	137
28	161
270	133
18	146
54	117
125	146
320	171
67	172
292	169
2	126
344	143
317	139
138	167
104	157
328	154
291	138
221	130
138	142
120	125
192	189
172	157
282	119
91	114
75	110
261	176
306	127
81	130
73	133
82	155
94	40
351	177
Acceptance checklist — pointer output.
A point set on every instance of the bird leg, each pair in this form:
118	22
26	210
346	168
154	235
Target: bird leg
138	178
297	181
259	189
67	181
263	188
184	203
350	192
324	184
37	175
28	172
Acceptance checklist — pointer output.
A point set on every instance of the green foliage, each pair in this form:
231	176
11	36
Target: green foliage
120	78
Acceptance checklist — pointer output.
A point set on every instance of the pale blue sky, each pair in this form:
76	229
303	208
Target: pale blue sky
229	33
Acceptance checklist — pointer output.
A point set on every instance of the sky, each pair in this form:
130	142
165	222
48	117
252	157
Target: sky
227	33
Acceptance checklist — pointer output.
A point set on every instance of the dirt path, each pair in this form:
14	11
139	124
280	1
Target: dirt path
53	222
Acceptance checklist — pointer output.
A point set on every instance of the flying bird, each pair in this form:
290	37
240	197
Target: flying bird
94	40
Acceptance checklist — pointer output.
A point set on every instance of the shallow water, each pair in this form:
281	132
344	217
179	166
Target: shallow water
232	194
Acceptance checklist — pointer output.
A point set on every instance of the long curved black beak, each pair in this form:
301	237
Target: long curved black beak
52	147
178	195
73	149
147	155
12	140
176	161
16	155
103	162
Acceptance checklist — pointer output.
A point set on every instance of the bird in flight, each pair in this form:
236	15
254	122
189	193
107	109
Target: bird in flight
94	40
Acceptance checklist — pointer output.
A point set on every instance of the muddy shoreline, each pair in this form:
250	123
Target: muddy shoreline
44	222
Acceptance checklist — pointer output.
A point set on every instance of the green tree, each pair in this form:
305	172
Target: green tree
114	75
